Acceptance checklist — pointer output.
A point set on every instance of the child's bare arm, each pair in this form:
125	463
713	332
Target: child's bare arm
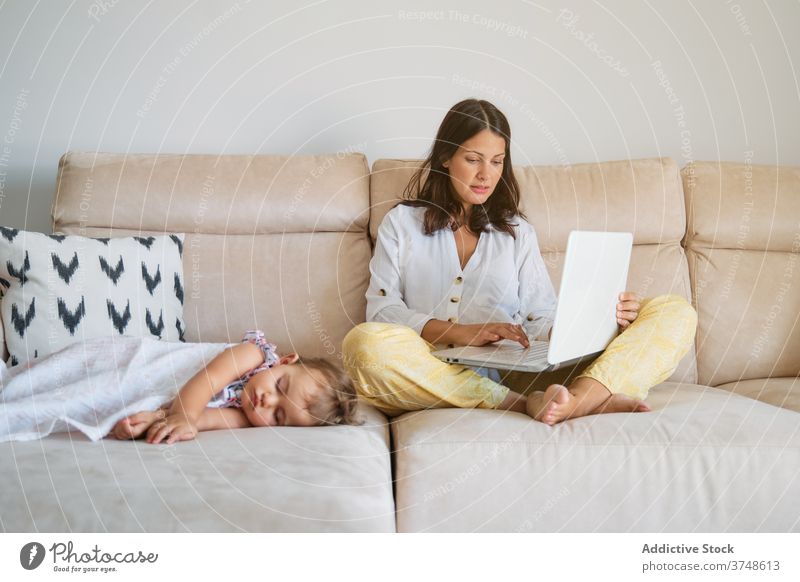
219	418
183	417
228	366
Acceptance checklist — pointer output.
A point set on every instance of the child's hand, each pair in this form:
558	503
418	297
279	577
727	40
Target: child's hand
175	427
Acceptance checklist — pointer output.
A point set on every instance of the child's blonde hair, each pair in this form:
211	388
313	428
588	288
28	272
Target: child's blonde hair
337	403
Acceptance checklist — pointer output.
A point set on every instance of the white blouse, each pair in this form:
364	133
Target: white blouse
416	277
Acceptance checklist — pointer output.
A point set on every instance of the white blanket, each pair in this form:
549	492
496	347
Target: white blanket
91	385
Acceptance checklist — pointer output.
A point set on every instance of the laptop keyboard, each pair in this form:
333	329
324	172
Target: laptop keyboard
521	356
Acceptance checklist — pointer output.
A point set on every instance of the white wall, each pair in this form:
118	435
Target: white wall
580	81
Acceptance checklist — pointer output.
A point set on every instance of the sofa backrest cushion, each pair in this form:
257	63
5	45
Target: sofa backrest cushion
277	243
640	196
743	246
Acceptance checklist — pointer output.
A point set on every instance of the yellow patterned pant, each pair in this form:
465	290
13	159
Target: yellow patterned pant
393	368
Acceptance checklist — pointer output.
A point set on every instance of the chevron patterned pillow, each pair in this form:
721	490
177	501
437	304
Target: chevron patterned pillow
58	289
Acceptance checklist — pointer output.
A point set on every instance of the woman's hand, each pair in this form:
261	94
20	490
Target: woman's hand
480	334
175	427
627	309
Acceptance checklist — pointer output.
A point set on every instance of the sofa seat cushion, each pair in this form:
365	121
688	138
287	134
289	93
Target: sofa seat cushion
783	392
254	479
704	459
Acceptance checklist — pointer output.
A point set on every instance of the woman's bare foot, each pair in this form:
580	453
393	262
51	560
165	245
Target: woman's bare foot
586	396
621	403
558	404
136	425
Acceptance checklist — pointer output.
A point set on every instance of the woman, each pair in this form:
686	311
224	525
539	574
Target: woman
457	264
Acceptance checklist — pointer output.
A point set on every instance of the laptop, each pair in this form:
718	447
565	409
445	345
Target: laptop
595	273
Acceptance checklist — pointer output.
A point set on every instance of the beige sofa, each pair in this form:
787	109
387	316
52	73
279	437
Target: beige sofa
283	243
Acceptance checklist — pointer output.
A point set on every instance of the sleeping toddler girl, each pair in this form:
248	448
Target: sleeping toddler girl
249	385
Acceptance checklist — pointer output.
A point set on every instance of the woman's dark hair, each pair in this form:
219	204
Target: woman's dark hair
435	192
